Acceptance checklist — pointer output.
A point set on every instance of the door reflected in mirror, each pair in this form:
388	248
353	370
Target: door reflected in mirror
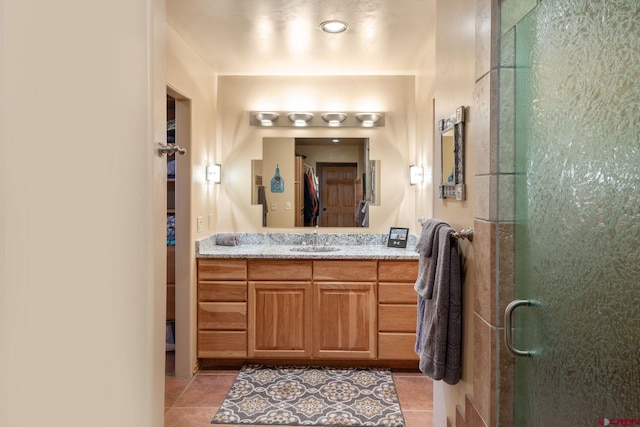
324	182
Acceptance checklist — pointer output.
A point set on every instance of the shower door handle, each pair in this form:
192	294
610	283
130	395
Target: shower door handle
508	326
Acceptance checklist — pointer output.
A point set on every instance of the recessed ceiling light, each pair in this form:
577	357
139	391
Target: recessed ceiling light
334	26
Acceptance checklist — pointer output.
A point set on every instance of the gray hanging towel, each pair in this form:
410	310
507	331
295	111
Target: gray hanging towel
440	338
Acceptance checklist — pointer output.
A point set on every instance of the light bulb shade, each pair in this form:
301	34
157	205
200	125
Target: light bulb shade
416	174
300	119
368	119
266	118
334	119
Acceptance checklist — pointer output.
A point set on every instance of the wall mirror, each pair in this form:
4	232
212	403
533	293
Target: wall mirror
308	182
451	132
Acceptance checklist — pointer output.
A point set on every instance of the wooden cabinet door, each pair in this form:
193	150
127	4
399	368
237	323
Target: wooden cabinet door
345	320
280	319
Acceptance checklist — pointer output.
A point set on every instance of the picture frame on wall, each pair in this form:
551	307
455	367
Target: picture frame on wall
398	237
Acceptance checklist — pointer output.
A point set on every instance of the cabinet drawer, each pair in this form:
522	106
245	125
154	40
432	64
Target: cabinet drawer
222	291
397	346
279	269
397	293
398	271
345	271
222	315
222	344
222	269
397	318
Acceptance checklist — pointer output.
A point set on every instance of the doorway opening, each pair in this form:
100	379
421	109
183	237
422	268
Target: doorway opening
171	240
178	343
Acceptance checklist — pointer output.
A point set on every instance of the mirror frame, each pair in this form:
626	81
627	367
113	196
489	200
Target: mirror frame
456	122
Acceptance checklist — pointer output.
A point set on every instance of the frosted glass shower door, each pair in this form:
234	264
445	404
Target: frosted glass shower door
577	119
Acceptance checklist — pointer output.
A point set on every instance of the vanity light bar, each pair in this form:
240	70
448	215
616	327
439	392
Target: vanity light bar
316	119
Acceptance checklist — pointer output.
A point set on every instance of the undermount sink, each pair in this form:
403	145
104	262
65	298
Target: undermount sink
315	249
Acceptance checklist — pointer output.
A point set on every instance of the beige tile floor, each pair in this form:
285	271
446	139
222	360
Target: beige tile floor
192	402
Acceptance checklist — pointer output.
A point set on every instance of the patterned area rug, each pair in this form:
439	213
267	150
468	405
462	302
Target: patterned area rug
311	396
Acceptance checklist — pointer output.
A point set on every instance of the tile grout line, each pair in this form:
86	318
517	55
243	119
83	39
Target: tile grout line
183	391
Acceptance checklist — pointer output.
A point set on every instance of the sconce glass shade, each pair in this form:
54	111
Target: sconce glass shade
300	119
334	119
266	118
214	173
368	119
415	174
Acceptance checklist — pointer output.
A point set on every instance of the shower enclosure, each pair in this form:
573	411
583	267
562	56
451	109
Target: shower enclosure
571	70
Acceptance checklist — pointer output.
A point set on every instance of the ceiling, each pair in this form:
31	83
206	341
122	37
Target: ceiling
283	37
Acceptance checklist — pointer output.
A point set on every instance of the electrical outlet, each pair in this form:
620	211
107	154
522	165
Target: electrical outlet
199	221
274	206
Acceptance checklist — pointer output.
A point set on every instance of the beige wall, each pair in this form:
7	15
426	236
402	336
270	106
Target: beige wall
195	83
190	76
393	144
81	335
454	87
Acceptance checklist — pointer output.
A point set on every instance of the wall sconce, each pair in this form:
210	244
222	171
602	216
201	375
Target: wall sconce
415	174
266	118
368	119
334	119
300	119
214	173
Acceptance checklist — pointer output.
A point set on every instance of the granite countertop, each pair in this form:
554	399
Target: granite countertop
280	245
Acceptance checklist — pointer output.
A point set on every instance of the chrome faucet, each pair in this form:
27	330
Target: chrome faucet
315	236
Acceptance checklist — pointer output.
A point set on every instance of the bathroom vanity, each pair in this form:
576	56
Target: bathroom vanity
343	300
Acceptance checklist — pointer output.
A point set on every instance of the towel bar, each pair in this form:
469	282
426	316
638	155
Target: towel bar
467	233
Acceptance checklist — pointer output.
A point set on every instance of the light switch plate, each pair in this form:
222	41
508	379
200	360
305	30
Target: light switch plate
199	222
